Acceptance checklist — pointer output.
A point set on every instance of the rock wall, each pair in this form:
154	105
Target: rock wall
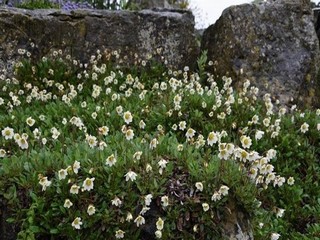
81	33
274	44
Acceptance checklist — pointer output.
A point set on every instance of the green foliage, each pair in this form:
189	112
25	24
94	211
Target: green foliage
202	63
189	141
37	4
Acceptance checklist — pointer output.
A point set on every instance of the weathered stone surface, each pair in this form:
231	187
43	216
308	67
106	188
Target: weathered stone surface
149	4
81	32
236	223
273	44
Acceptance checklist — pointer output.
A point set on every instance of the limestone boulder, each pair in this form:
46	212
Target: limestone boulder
81	33
273	44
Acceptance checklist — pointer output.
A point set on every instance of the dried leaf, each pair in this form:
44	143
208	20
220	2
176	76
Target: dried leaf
187	216
180	224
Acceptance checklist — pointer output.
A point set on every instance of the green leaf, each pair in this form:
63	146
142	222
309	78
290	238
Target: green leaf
156	185
10	220
54	231
35	229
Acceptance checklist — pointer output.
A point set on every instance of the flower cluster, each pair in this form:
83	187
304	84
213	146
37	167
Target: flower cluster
108	145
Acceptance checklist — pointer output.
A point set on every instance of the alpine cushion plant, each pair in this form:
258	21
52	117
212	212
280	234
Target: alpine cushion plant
91	151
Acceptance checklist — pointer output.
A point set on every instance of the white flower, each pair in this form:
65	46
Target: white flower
212	138
148	168
271	154
55	133
2	153
259	134
111	160
221	116
64	121
195	228
88	184
261	225
304	127
266	122
137	155
22	142
182	125
74	189
102	145
129	134
84	104
199	186
127	116
153	144
164	201
144	210
44	141
255	119
174	127
279	212
119	110
62	174
91	210
180	147
76	223
119	234
36	133
114	97
162	163
130	176
190	133
116	201
279	181
159	224
223	190
92	141
275	236
8	133
177	99
223	153
163	86
139	220
158	234
30	121
290	181
205	206
67	203
142	124
76	167
104	130
148	199
318	126
44	182
216	196
245	141
129	217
